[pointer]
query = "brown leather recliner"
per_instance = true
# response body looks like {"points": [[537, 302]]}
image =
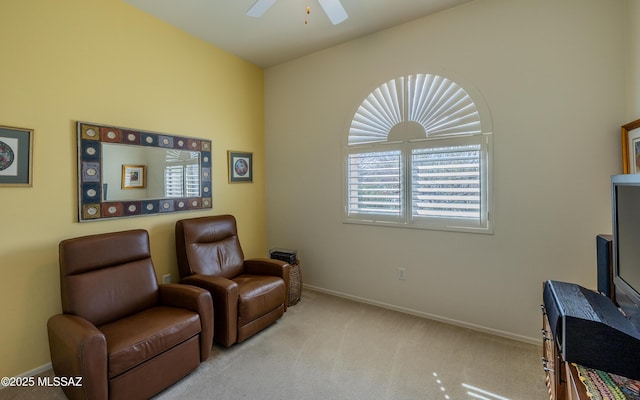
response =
{"points": [[125, 335], [248, 295]]}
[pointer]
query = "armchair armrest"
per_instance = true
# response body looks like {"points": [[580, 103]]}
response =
{"points": [[78, 348], [269, 266], [197, 300], [224, 293], [184, 296]]}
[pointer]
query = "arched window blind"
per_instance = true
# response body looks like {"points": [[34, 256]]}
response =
{"points": [[439, 105]]}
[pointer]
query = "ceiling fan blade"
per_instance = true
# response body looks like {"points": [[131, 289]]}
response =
{"points": [[260, 7], [334, 10]]}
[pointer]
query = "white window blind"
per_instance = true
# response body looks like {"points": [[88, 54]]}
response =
{"points": [[192, 180], [374, 184], [182, 174], [173, 181], [446, 182], [417, 156], [438, 104]]}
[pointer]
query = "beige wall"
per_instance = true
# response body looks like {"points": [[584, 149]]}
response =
{"points": [[633, 59], [106, 62], [551, 73]]}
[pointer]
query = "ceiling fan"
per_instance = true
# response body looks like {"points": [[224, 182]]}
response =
{"points": [[333, 8]]}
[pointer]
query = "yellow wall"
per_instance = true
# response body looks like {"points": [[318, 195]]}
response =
{"points": [[106, 62]]}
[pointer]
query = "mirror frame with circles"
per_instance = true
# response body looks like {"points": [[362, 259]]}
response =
{"points": [[93, 203]]}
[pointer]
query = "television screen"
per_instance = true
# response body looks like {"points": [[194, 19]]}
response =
{"points": [[626, 239]]}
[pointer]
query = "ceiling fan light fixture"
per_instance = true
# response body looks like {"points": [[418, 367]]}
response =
{"points": [[333, 8]]}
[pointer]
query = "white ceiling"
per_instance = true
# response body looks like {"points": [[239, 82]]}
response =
{"points": [[280, 34]]}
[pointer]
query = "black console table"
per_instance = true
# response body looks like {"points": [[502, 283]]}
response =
{"points": [[584, 327]]}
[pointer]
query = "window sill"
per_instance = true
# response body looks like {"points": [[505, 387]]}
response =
{"points": [[446, 228]]}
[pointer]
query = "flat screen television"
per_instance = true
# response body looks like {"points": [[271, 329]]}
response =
{"points": [[625, 193]]}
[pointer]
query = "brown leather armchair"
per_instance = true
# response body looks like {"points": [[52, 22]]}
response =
{"points": [[125, 335], [248, 295]]}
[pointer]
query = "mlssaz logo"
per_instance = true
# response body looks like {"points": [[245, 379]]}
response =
{"points": [[60, 381]]}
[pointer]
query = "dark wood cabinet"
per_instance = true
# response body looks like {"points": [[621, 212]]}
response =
{"points": [[561, 377], [554, 368]]}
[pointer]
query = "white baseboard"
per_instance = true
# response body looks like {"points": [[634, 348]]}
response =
{"points": [[38, 370], [33, 372], [416, 313]]}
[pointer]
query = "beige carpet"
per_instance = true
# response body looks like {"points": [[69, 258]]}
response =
{"points": [[328, 348]]}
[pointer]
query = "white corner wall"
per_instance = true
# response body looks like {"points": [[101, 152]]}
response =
{"points": [[552, 74]]}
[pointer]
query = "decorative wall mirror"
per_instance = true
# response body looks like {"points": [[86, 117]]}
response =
{"points": [[126, 172]]}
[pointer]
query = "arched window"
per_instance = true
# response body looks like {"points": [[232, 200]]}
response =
{"points": [[417, 155]]}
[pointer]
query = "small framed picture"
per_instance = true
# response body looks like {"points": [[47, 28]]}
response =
{"points": [[631, 147], [240, 166], [134, 176], [16, 153]]}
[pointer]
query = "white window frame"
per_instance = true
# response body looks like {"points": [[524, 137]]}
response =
{"points": [[482, 223], [353, 209], [405, 218]]}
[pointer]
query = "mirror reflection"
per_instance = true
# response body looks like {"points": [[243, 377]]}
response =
{"points": [[124, 172], [167, 173]]}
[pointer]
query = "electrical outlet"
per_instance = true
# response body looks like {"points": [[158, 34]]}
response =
{"points": [[402, 273], [166, 278]]}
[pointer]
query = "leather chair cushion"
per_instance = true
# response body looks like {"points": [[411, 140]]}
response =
{"points": [[107, 294], [258, 295], [209, 246], [142, 336], [223, 258]]}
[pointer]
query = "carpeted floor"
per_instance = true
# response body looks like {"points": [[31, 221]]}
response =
{"points": [[329, 348]]}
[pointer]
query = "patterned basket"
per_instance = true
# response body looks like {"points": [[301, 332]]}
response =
{"points": [[295, 283]]}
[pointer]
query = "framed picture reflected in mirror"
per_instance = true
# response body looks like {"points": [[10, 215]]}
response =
{"points": [[134, 177]]}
